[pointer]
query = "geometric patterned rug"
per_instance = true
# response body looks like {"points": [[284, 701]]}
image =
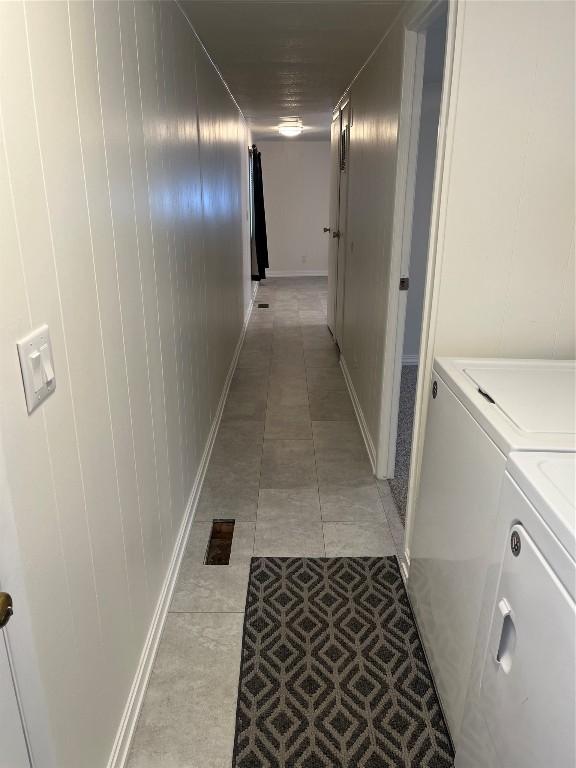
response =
{"points": [[333, 674]]}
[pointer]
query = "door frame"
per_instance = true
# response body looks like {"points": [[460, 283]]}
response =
{"points": [[18, 637], [333, 217], [345, 110], [409, 122]]}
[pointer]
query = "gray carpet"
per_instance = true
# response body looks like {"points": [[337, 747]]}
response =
{"points": [[399, 483], [333, 674]]}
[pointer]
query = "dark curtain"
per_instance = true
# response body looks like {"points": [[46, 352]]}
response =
{"points": [[259, 240]]}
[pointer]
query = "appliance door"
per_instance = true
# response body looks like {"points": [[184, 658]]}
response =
{"points": [[528, 687], [451, 542]]}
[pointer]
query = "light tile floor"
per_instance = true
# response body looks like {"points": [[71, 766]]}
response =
{"points": [[290, 466]]}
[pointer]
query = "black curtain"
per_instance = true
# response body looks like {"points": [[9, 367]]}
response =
{"points": [[259, 240]]}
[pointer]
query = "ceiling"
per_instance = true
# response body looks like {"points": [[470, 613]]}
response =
{"points": [[289, 59]]}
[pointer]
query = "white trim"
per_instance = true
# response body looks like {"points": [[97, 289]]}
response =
{"points": [[407, 151], [448, 109], [410, 359], [296, 273], [404, 570], [359, 414], [412, 88], [413, 65], [129, 719]]}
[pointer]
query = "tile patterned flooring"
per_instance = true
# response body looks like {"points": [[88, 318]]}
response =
{"points": [[290, 466]]}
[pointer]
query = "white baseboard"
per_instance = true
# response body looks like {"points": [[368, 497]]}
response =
{"points": [[296, 273], [404, 570], [359, 415], [125, 732], [410, 359]]}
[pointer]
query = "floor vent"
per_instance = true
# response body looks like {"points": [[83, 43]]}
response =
{"points": [[220, 542], [263, 306]]}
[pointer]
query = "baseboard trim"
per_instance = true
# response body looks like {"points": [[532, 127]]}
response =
{"points": [[129, 719], [410, 359], [406, 561], [359, 414], [296, 273], [404, 570]]}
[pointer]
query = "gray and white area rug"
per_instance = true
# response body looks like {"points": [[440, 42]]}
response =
{"points": [[333, 674]]}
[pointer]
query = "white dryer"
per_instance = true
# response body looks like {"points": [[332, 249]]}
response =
{"points": [[521, 706], [479, 411]]}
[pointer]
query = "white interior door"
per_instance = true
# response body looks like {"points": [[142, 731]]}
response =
{"points": [[13, 751], [339, 235], [333, 223]]}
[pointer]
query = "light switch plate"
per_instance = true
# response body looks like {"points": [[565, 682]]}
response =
{"points": [[37, 366]]}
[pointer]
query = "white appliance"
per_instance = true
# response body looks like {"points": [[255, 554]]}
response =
{"points": [[479, 411], [521, 706]]}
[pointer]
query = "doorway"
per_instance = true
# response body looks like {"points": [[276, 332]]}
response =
{"points": [[427, 46], [339, 150]]}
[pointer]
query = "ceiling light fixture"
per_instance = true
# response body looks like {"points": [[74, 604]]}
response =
{"points": [[290, 129]]}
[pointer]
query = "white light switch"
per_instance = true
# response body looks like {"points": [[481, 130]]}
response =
{"points": [[37, 366]]}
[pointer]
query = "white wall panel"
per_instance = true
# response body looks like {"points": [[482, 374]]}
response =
{"points": [[104, 271], [222, 198], [128, 263], [508, 274], [375, 99], [122, 175]]}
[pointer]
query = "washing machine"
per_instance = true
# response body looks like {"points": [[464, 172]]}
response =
{"points": [[480, 410], [521, 706]]}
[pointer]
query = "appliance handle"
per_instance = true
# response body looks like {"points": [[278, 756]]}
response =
{"points": [[503, 649]]}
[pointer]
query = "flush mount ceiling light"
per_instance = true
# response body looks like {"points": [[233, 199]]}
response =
{"points": [[290, 128]]}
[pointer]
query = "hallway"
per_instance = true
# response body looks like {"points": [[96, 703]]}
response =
{"points": [[290, 467], [159, 157]]}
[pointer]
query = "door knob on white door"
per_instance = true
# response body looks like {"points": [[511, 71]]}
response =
{"points": [[6, 609]]}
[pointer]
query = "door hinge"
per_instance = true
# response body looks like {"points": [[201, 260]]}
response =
{"points": [[404, 283]]}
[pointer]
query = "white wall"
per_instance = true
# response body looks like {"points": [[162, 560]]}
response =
{"points": [[508, 272], [375, 99], [296, 192], [122, 176]]}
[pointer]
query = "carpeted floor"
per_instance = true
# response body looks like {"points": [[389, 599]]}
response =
{"points": [[333, 674], [399, 483]]}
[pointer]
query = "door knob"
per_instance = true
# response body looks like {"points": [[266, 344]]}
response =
{"points": [[326, 229], [336, 234], [5, 608]]}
